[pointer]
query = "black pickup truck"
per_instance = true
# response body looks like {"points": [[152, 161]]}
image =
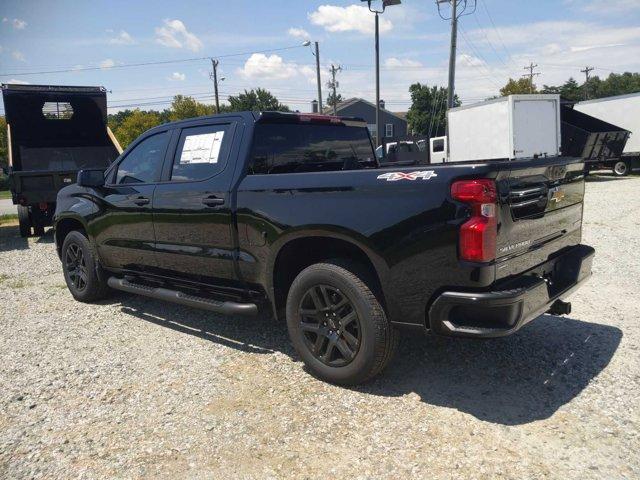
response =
{"points": [[291, 214]]}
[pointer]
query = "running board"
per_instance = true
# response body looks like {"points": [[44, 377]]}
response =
{"points": [[225, 308]]}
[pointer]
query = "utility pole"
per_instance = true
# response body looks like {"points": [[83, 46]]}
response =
{"points": [[318, 75], [531, 74], [214, 77], [333, 84], [458, 10], [587, 71]]}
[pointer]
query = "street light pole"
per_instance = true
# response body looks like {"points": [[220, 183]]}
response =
{"points": [[318, 78], [378, 134], [385, 4]]}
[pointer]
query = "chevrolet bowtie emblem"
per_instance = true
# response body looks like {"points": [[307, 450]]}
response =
{"points": [[556, 195]]}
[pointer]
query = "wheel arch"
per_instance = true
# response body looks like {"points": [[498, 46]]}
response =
{"points": [[67, 224], [296, 251]]}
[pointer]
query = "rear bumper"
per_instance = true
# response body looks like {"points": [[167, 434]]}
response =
{"points": [[513, 303]]}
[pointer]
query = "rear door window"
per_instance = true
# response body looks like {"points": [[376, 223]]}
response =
{"points": [[296, 148], [202, 153]]}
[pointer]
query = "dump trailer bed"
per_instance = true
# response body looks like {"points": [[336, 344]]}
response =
{"points": [[53, 132]]}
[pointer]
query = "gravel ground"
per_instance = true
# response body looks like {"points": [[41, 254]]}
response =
{"points": [[133, 388]]}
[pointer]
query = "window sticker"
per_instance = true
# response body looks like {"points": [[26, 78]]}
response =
{"points": [[204, 148]]}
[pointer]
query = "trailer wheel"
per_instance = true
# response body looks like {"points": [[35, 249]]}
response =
{"points": [[24, 220], [621, 168]]}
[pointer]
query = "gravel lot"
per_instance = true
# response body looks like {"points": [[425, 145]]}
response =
{"points": [[133, 388]]}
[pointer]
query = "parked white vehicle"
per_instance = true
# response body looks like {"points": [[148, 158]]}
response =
{"points": [[509, 128]]}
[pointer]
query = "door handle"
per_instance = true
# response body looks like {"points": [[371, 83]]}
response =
{"points": [[141, 201], [212, 201]]}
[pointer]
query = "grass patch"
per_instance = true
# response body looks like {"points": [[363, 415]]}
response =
{"points": [[13, 282], [4, 194], [8, 218]]}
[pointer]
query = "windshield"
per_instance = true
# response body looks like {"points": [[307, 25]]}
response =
{"points": [[293, 148]]}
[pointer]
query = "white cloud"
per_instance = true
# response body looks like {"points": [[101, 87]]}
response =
{"points": [[300, 33], [177, 77], [469, 60], [18, 56], [260, 66], [353, 18], [15, 81], [394, 62], [174, 34], [18, 24], [108, 63], [122, 38]]}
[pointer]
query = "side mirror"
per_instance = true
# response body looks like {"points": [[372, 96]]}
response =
{"points": [[90, 178]]}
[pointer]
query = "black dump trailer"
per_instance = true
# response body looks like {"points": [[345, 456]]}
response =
{"points": [[52, 133], [599, 143]]}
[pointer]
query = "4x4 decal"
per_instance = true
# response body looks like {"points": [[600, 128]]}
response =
{"points": [[397, 176]]}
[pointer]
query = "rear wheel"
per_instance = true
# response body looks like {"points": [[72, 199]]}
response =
{"points": [[337, 325], [621, 168], [80, 267], [24, 221]]}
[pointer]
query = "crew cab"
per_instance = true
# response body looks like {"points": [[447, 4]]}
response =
{"points": [[291, 214]]}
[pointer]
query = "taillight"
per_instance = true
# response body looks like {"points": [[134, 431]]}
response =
{"points": [[478, 234]]}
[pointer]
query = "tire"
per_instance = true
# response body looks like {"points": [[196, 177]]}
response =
{"points": [[24, 221], [621, 168], [81, 267], [328, 306]]}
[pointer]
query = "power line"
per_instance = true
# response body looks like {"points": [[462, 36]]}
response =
{"points": [[484, 5], [145, 64]]}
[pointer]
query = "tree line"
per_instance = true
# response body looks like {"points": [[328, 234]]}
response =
{"points": [[427, 114]]}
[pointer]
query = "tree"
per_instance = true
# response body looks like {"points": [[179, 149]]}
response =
{"points": [[570, 90], [334, 100], [136, 123], [428, 112], [258, 100], [186, 107], [518, 87]]}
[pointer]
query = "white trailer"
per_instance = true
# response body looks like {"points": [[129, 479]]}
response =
{"points": [[623, 111], [509, 128]]}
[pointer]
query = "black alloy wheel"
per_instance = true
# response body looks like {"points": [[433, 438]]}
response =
{"points": [[330, 325], [76, 266]]}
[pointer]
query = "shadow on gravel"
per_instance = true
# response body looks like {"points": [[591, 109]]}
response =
{"points": [[510, 381], [10, 238], [599, 177], [253, 335]]}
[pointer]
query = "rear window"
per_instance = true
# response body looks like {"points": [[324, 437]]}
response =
{"points": [[296, 148]]}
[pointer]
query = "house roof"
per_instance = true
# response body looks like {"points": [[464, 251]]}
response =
{"points": [[350, 101]]}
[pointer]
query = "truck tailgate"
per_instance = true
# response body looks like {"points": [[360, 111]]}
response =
{"points": [[540, 207]]}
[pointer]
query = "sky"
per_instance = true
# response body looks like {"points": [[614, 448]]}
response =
{"points": [[259, 44]]}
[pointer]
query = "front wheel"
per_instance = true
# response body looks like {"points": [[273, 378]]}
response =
{"points": [[337, 325], [621, 168], [80, 267]]}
